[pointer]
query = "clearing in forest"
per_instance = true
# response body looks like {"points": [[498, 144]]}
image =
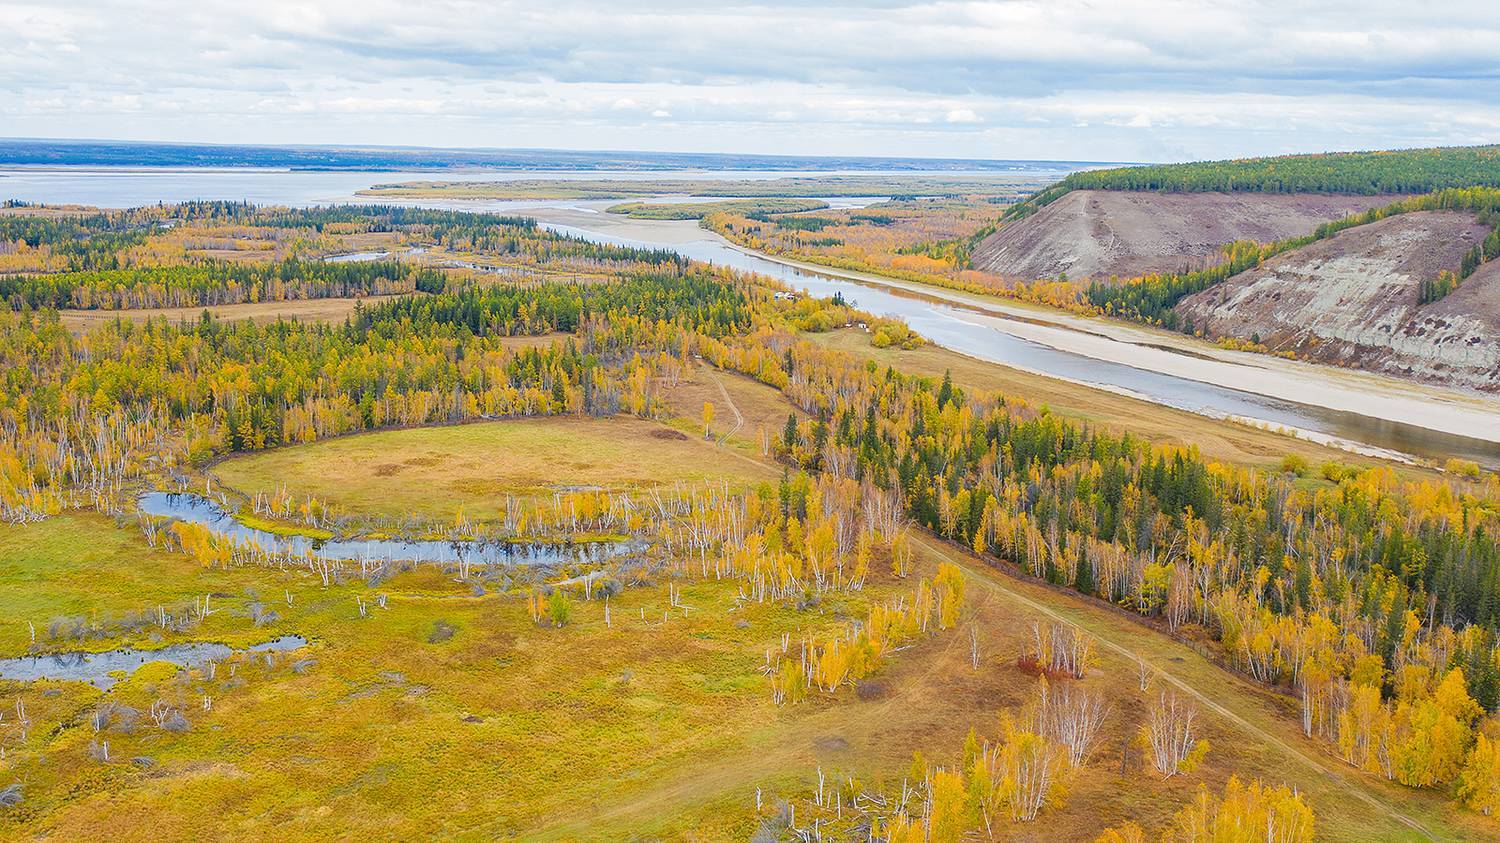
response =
{"points": [[435, 471]]}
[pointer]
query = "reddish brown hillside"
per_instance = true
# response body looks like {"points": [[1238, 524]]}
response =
{"points": [[1103, 233], [1353, 300]]}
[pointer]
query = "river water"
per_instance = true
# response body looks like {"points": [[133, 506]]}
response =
{"points": [[977, 334], [969, 330]]}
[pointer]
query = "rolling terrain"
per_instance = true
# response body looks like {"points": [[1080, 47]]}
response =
{"points": [[1354, 300], [1117, 233]]}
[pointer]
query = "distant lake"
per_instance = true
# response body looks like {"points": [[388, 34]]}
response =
{"points": [[125, 187]]}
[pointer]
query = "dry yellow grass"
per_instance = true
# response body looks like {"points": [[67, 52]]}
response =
{"points": [[651, 727], [306, 310], [434, 471]]}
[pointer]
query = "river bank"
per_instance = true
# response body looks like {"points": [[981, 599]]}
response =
{"points": [[1358, 411]]}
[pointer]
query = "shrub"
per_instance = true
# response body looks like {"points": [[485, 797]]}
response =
{"points": [[558, 608], [1336, 472], [1467, 469], [1294, 464]]}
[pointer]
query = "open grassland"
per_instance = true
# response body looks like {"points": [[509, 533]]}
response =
{"points": [[435, 472]]}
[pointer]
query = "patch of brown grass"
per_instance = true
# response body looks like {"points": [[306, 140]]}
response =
{"points": [[305, 310], [436, 470]]}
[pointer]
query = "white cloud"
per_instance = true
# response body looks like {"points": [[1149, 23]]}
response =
{"points": [[1129, 79]]}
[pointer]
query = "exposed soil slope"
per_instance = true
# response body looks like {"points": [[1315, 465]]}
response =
{"points": [[1353, 300], [1100, 233]]}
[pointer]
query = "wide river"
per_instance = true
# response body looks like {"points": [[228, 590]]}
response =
{"points": [[1374, 415]]}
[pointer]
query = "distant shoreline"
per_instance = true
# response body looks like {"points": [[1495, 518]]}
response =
{"points": [[35, 152]]}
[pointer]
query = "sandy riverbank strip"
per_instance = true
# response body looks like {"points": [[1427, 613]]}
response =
{"points": [[1376, 396]]}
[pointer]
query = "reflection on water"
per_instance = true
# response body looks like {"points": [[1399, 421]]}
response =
{"points": [[95, 668], [199, 510], [356, 257]]}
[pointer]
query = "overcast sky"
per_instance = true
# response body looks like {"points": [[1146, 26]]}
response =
{"points": [[1106, 80]]}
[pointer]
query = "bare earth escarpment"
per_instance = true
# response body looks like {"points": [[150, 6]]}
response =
{"points": [[1353, 300], [1104, 233]]}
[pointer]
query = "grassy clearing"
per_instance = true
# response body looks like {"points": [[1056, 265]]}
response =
{"points": [[305, 310], [80, 565], [761, 407], [434, 471]]}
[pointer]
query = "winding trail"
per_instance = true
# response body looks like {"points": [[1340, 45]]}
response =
{"points": [[1352, 787], [739, 418]]}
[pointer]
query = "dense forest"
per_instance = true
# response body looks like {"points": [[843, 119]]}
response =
{"points": [[1393, 172], [243, 386], [215, 283]]}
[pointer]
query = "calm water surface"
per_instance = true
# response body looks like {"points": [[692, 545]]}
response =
{"points": [[95, 668], [197, 509]]}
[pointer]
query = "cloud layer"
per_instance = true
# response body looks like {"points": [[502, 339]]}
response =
{"points": [[1103, 80]]}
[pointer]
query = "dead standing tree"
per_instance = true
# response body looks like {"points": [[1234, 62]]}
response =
{"points": [[1168, 736], [1072, 717]]}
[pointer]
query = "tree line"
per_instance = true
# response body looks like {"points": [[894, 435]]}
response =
{"points": [[1368, 173], [1151, 298], [106, 260]]}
